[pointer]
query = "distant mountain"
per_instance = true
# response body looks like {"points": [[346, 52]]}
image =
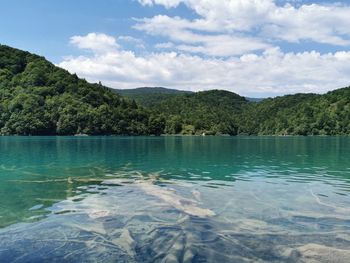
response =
{"points": [[224, 112], [145, 94], [149, 90], [148, 96], [38, 98], [210, 112], [254, 99]]}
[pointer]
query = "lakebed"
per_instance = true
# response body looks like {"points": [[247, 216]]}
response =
{"points": [[175, 199]]}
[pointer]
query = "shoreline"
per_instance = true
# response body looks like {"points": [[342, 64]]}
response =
{"points": [[175, 135]]}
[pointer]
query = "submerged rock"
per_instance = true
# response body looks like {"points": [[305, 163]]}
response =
{"points": [[170, 197], [167, 195], [143, 219], [315, 253]]}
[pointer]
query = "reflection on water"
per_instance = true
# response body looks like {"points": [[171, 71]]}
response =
{"points": [[175, 199]]}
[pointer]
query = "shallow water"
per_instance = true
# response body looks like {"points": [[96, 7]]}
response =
{"points": [[175, 199]]}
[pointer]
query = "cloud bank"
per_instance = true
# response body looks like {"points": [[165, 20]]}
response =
{"points": [[232, 44], [320, 23]]}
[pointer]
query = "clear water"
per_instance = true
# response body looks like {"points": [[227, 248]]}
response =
{"points": [[174, 199]]}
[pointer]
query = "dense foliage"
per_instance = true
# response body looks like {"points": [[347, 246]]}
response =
{"points": [[209, 112], [149, 96], [300, 114], [38, 98], [223, 112]]}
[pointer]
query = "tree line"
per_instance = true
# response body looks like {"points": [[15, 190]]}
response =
{"points": [[38, 98]]}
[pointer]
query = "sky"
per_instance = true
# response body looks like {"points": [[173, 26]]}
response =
{"points": [[256, 48]]}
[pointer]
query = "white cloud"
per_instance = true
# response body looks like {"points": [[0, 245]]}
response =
{"points": [[96, 42], [166, 3], [211, 45], [130, 39], [137, 42], [322, 23], [165, 45], [271, 73], [230, 45]]}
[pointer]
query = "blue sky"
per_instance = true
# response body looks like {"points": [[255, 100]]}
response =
{"points": [[252, 47], [45, 26]]}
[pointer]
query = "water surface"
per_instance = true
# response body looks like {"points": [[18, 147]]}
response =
{"points": [[175, 199]]}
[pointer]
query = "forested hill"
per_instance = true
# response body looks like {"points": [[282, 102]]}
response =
{"points": [[210, 112], [223, 112], [299, 114], [149, 96], [38, 98], [144, 91]]}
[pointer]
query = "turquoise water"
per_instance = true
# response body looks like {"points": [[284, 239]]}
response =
{"points": [[174, 199]]}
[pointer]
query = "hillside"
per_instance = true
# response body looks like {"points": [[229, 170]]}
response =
{"points": [[38, 98], [149, 96], [254, 99], [184, 112], [210, 112], [224, 112], [149, 90], [299, 114]]}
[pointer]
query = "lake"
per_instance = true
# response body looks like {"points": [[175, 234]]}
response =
{"points": [[175, 199]]}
